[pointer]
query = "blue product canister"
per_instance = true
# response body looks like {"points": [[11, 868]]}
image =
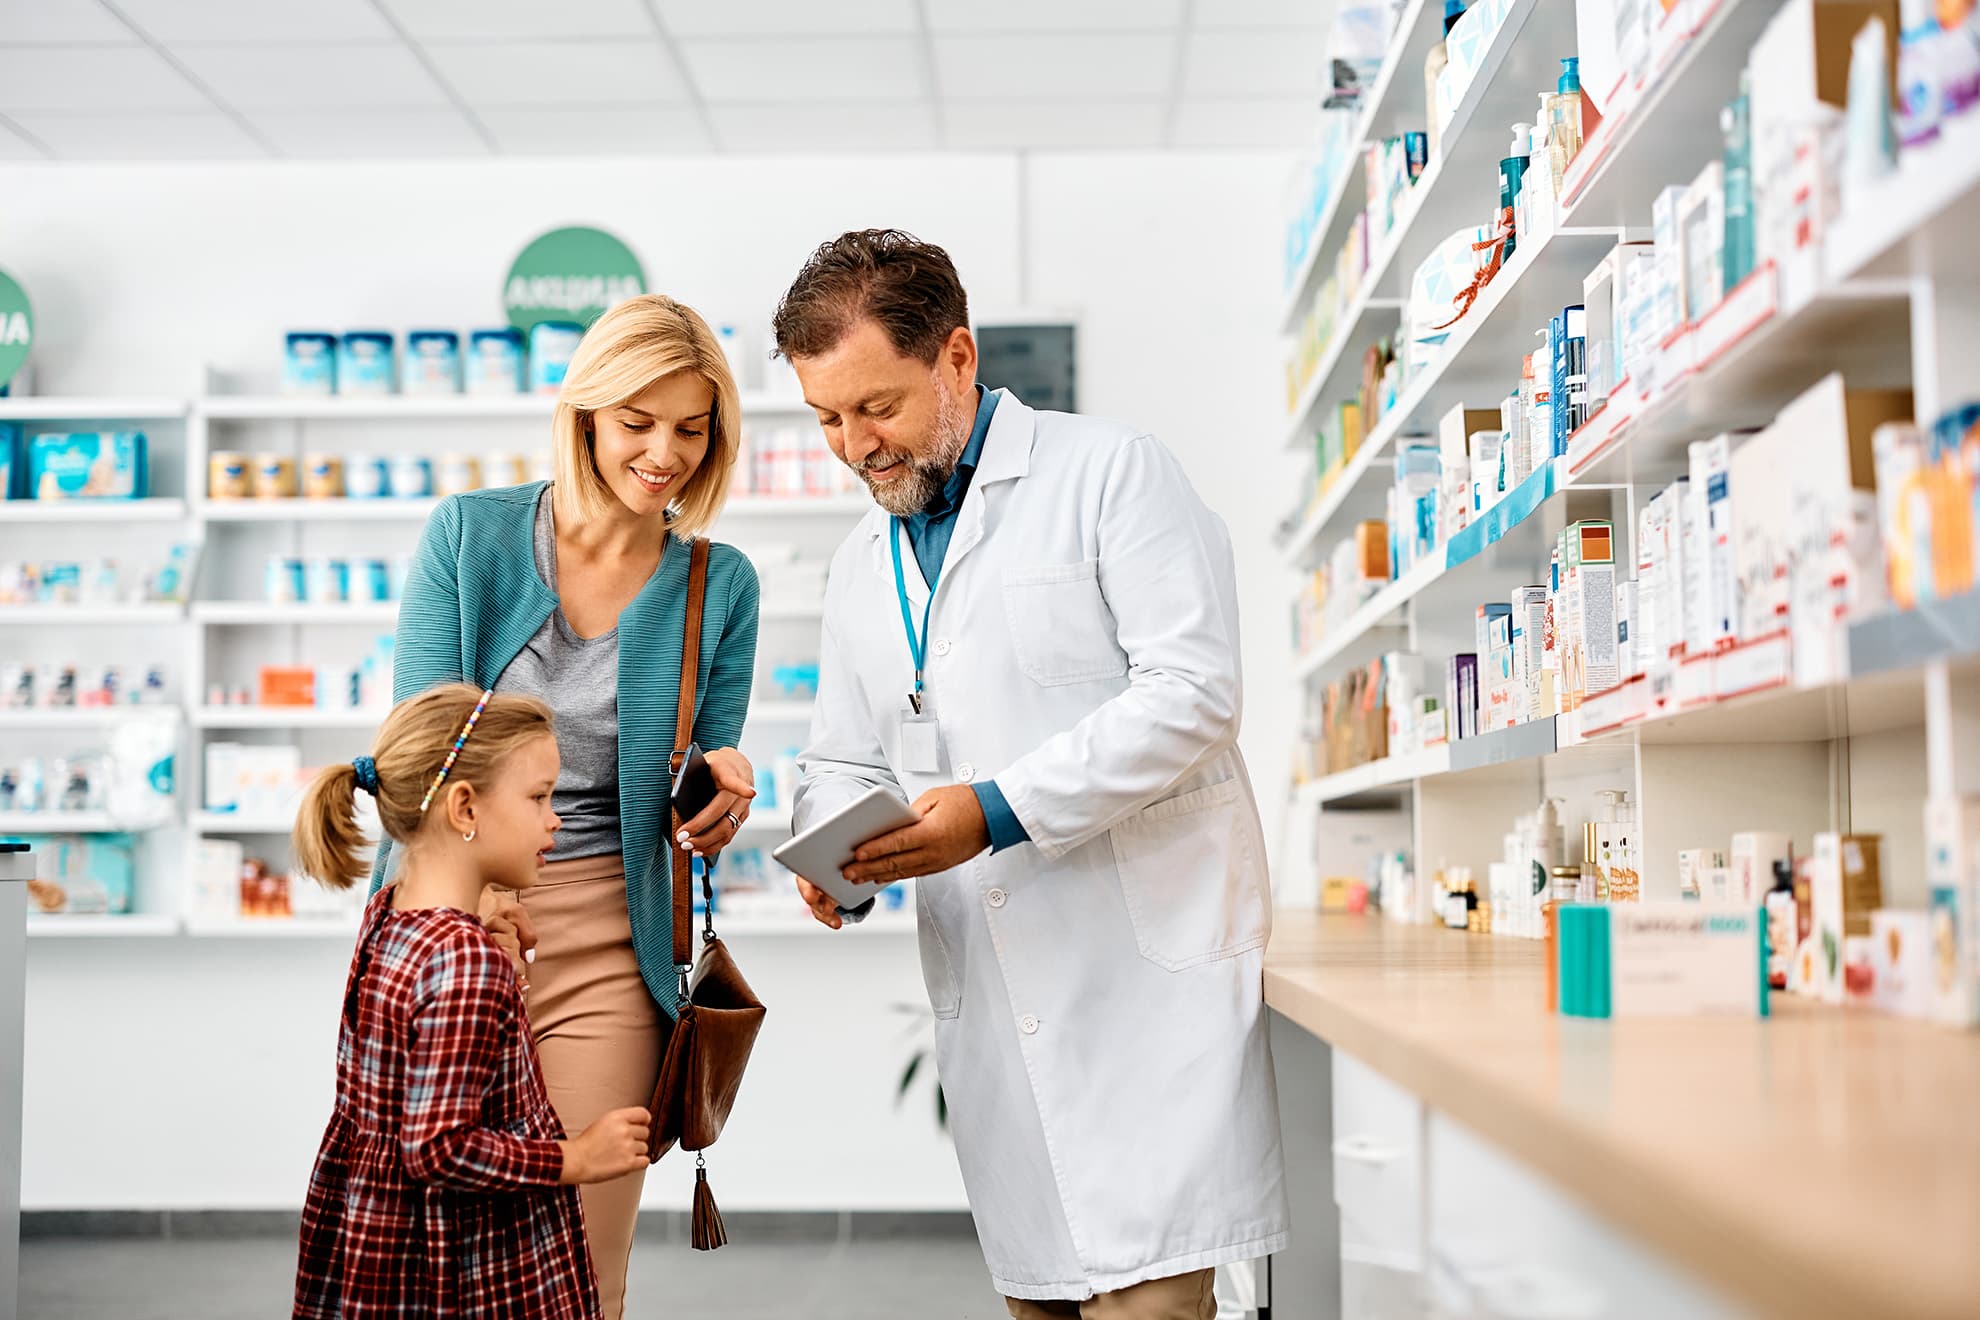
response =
{"points": [[433, 362], [495, 361], [371, 581], [1416, 154], [327, 580], [366, 477], [551, 344], [411, 477], [309, 363], [284, 583], [364, 363]]}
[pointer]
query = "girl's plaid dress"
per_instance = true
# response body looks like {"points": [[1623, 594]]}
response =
{"points": [[435, 1193]]}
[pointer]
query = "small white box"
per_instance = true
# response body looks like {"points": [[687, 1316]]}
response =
{"points": [[1754, 853]]}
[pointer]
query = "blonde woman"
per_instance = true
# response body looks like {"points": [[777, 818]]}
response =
{"points": [[575, 592]]}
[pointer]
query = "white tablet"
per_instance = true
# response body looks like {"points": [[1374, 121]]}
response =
{"points": [[823, 851]]}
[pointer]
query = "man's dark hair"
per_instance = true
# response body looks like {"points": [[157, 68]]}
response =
{"points": [[908, 286]]}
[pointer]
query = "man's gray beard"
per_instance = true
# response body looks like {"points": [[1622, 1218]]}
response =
{"points": [[925, 478]]}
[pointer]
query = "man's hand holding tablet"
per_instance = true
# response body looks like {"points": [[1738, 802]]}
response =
{"points": [[821, 855]]}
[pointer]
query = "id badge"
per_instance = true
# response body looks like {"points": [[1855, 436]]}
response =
{"points": [[921, 745]]}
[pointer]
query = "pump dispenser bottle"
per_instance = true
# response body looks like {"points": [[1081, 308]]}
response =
{"points": [[1511, 171]]}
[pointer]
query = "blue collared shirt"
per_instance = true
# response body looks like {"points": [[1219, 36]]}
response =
{"points": [[929, 532]]}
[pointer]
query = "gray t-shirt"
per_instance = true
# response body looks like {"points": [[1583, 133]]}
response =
{"points": [[578, 678]]}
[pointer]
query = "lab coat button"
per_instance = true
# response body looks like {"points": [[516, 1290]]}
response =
{"points": [[941, 646], [965, 773], [996, 898], [1028, 1024]]}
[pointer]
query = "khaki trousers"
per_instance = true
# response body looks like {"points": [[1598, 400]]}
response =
{"points": [[598, 1033], [1185, 1297]]}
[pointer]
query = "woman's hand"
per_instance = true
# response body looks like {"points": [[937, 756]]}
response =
{"points": [[715, 828]]}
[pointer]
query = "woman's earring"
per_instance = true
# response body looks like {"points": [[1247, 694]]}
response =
{"points": [[469, 836]]}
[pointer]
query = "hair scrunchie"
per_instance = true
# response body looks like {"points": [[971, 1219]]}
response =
{"points": [[367, 774]]}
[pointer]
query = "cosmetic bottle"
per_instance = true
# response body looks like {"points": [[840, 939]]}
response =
{"points": [[1512, 170], [1736, 124], [1433, 66]]}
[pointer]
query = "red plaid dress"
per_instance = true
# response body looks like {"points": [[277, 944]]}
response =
{"points": [[435, 1193]]}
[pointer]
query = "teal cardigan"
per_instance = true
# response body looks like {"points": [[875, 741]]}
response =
{"points": [[473, 599]]}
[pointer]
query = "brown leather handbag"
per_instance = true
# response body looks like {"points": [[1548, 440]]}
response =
{"points": [[718, 1014]]}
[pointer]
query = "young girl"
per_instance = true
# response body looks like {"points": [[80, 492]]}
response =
{"points": [[444, 1187]]}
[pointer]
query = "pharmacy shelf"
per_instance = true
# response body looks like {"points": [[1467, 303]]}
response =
{"points": [[1458, 187], [272, 928], [1934, 631], [1387, 781], [91, 615], [227, 824], [413, 407], [1392, 105], [279, 717], [130, 926], [14, 824], [781, 712], [315, 511], [252, 613], [1479, 365], [1667, 129], [1749, 357], [92, 511], [84, 717], [1920, 220], [1380, 611], [54, 408]]}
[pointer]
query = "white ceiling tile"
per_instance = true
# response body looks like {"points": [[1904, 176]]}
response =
{"points": [[786, 18], [560, 73], [202, 135], [1053, 15], [1253, 64], [1264, 13], [820, 69], [908, 125], [313, 77], [172, 21], [364, 134], [1281, 123], [15, 147], [518, 20], [78, 21], [1051, 125], [1083, 67], [597, 131], [92, 80]]}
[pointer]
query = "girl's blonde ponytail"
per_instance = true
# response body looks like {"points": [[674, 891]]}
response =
{"points": [[329, 845]]}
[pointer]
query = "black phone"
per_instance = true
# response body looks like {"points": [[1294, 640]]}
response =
{"points": [[694, 786]]}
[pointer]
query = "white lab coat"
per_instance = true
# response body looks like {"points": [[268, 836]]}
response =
{"points": [[1100, 1025]]}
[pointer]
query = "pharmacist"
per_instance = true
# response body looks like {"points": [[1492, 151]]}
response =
{"points": [[1063, 715]]}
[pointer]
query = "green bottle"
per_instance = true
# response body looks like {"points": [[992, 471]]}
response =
{"points": [[1736, 123]]}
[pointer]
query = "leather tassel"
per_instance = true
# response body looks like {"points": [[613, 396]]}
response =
{"points": [[705, 1229]]}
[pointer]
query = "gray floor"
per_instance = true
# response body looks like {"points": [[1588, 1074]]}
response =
{"points": [[250, 1279]]}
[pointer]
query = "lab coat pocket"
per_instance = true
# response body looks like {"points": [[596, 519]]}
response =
{"points": [[1190, 878], [1060, 624], [938, 972]]}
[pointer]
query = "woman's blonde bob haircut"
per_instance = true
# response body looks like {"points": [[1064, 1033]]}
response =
{"points": [[626, 351]]}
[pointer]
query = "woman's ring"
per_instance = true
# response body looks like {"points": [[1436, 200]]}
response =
{"points": [[733, 820]]}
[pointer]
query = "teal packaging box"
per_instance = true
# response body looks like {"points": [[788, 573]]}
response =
{"points": [[87, 465], [12, 474]]}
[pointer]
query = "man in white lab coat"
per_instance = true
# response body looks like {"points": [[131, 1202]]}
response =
{"points": [[1034, 640]]}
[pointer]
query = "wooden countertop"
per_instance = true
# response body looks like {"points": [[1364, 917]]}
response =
{"points": [[1825, 1162]]}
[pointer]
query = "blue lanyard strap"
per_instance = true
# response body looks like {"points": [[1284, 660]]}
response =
{"points": [[917, 642]]}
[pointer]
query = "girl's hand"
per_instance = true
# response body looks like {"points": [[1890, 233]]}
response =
{"points": [[509, 925], [713, 830], [610, 1148]]}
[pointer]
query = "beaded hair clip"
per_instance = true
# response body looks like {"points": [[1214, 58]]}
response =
{"points": [[454, 754]]}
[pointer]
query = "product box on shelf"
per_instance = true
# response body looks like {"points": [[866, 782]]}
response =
{"points": [[107, 465], [11, 466], [1717, 578], [1660, 959], [495, 361], [309, 363], [1902, 981], [1605, 293], [433, 362], [84, 875], [1461, 695], [1754, 853], [1847, 885], [1952, 880], [364, 363], [1702, 234], [1588, 626], [551, 344], [1529, 640]]}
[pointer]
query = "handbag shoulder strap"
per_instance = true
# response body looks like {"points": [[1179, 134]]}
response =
{"points": [[683, 868]]}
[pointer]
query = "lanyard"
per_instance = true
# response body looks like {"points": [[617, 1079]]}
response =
{"points": [[917, 642]]}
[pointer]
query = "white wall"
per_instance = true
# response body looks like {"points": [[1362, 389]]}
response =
{"points": [[183, 1073]]}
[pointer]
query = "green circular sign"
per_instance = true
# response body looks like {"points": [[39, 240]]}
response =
{"points": [[16, 327], [570, 274]]}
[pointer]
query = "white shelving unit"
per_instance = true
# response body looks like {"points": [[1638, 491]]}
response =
{"points": [[133, 926], [1891, 305], [14, 823], [256, 613], [59, 408], [76, 616], [84, 717], [430, 407], [278, 717], [164, 510]]}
